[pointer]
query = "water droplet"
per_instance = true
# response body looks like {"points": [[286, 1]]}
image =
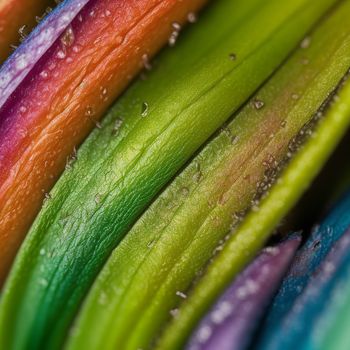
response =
{"points": [[44, 74], [71, 159], [217, 249], [150, 244], [173, 38], [146, 63], [176, 26], [21, 62], [283, 123], [204, 333], [316, 245], [192, 17], [89, 111], [48, 10], [67, 38], [117, 125], [61, 54], [305, 43], [234, 139], [42, 251], [272, 250], [258, 104], [198, 174], [295, 96], [23, 32], [181, 294], [223, 310], [144, 109], [38, 19], [175, 33], [233, 56], [104, 91], [174, 312], [185, 191]]}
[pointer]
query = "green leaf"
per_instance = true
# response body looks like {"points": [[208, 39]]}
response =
{"points": [[258, 225], [194, 88], [144, 280]]}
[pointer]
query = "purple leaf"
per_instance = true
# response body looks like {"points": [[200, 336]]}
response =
{"points": [[21, 62], [230, 324]]}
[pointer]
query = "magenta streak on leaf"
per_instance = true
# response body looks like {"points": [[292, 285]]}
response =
{"points": [[21, 62]]}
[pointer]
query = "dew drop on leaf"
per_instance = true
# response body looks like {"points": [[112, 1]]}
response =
{"points": [[144, 109], [22, 32], [185, 191], [176, 26], [258, 104], [146, 63], [61, 54], [117, 125], [181, 294], [174, 312], [89, 111], [175, 33], [192, 17], [233, 56], [67, 38], [305, 42]]}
